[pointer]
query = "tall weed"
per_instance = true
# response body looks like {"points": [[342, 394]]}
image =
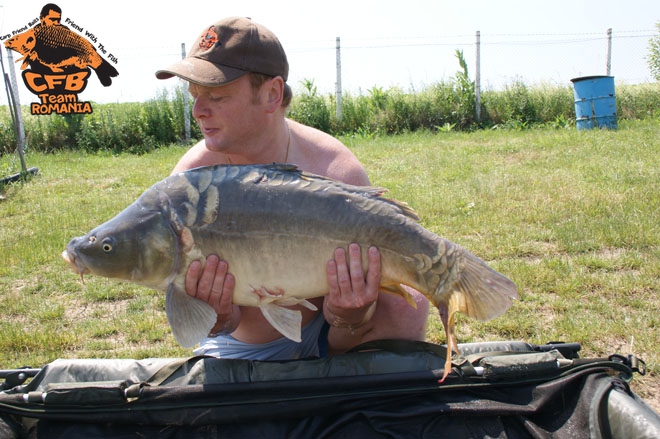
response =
{"points": [[311, 108]]}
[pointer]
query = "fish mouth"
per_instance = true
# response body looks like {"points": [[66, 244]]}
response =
{"points": [[73, 262]]}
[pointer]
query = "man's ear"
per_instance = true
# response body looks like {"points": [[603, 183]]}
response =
{"points": [[274, 91]]}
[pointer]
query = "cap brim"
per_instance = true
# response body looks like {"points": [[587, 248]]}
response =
{"points": [[202, 72]]}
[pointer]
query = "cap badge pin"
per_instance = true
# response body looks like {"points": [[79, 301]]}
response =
{"points": [[208, 39]]}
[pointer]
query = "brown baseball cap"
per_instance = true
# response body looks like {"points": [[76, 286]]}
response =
{"points": [[227, 50]]}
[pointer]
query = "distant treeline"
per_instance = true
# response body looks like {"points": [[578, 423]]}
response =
{"points": [[445, 106]]}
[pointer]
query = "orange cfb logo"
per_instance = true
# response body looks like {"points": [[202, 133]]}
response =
{"points": [[56, 62]]}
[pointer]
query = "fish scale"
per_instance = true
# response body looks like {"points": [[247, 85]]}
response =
{"points": [[276, 227]]}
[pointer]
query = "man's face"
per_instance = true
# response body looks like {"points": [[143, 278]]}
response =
{"points": [[52, 18], [227, 115]]}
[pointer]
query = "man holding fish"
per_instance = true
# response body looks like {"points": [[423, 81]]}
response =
{"points": [[237, 72]]}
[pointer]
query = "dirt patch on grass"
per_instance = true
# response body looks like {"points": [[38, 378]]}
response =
{"points": [[80, 310]]}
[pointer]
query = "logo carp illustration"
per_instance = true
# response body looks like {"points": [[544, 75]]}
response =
{"points": [[56, 63]]}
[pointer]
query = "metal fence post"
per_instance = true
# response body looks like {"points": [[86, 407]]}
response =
{"points": [[338, 84], [14, 101], [477, 80], [609, 52], [186, 103]]}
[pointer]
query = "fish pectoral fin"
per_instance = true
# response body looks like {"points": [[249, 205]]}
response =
{"points": [[292, 301], [190, 319], [287, 321], [307, 304], [280, 299]]}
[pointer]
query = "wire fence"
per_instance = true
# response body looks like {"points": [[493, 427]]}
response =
{"points": [[412, 63], [504, 59]]}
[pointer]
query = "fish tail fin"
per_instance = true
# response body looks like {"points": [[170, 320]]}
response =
{"points": [[287, 321], [190, 319], [105, 72]]}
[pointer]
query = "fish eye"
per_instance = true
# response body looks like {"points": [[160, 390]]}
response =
{"points": [[107, 245]]}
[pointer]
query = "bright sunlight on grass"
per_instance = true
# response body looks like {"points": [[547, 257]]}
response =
{"points": [[571, 217]]}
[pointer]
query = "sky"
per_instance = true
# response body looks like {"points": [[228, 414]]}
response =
{"points": [[384, 43]]}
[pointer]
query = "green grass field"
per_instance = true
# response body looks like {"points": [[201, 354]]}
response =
{"points": [[573, 218]]}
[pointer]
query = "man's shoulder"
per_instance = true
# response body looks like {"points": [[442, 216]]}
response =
{"points": [[316, 137], [328, 156], [198, 155], [349, 170]]}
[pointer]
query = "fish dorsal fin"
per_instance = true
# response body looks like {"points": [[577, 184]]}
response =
{"points": [[284, 167], [374, 192], [404, 208], [190, 319]]}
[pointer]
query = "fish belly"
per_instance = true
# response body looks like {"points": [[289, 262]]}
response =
{"points": [[272, 268], [282, 266]]}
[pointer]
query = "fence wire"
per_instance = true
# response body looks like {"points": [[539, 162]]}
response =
{"points": [[410, 63], [504, 58]]}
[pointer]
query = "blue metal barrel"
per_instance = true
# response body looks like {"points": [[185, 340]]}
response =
{"points": [[595, 102]]}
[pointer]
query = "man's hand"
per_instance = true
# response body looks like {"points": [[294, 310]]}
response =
{"points": [[215, 286], [351, 300]]}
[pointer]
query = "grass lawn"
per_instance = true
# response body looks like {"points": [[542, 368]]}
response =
{"points": [[573, 218]]}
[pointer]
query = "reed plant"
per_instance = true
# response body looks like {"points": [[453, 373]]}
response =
{"points": [[444, 106]]}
